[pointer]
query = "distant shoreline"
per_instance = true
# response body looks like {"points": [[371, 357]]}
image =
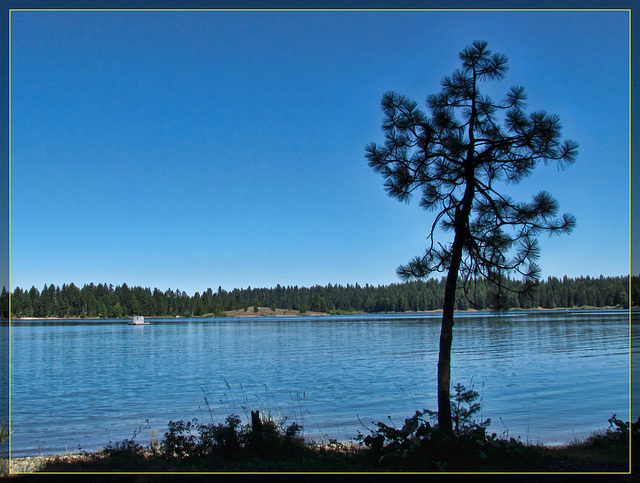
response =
{"points": [[268, 312]]}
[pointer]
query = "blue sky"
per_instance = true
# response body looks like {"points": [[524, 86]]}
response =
{"points": [[189, 150]]}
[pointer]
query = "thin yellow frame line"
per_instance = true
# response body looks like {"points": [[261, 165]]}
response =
{"points": [[318, 10], [9, 245], [630, 242]]}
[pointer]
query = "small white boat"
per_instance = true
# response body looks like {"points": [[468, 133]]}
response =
{"points": [[138, 320]]}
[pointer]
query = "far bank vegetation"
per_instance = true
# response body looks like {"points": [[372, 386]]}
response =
{"points": [[105, 300]]}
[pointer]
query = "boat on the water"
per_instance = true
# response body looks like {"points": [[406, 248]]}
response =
{"points": [[138, 320]]}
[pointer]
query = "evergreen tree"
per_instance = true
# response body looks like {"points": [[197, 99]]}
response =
{"points": [[101, 300], [318, 304], [455, 157]]}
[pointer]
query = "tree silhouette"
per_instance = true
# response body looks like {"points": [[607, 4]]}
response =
{"points": [[454, 158]]}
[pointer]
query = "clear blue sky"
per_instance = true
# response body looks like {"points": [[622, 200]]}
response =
{"points": [[189, 150]]}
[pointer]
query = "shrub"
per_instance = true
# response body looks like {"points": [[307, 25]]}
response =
{"points": [[463, 409], [225, 438], [179, 441], [126, 447], [272, 439], [620, 431], [419, 441], [264, 438]]}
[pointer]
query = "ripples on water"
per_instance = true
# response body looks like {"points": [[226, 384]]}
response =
{"points": [[545, 377]]}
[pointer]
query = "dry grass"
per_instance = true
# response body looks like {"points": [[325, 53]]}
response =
{"points": [[268, 312]]}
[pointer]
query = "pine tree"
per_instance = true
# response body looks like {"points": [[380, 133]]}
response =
{"points": [[454, 158]]}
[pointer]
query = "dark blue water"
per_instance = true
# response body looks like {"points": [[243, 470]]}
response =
{"points": [[544, 377]]}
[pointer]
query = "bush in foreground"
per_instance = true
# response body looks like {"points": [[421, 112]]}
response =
{"points": [[419, 446], [268, 445]]}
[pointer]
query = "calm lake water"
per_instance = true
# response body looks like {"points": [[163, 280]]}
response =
{"points": [[544, 376]]}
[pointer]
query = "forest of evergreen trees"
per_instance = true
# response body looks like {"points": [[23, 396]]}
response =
{"points": [[104, 300]]}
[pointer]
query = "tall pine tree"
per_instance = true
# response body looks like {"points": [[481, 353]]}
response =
{"points": [[454, 158]]}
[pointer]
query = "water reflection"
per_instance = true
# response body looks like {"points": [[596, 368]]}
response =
{"points": [[548, 376]]}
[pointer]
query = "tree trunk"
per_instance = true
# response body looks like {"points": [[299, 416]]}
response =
{"points": [[461, 227], [446, 338], [461, 224]]}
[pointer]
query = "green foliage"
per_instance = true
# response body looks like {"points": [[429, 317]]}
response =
{"points": [[125, 447], [318, 304], [107, 301], [223, 437], [420, 440], [454, 155], [417, 446], [4, 304], [618, 429], [179, 441], [463, 408], [228, 440]]}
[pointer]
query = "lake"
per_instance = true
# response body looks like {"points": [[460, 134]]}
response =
{"points": [[547, 377]]}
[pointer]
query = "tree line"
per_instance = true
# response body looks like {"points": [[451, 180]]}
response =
{"points": [[105, 300]]}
